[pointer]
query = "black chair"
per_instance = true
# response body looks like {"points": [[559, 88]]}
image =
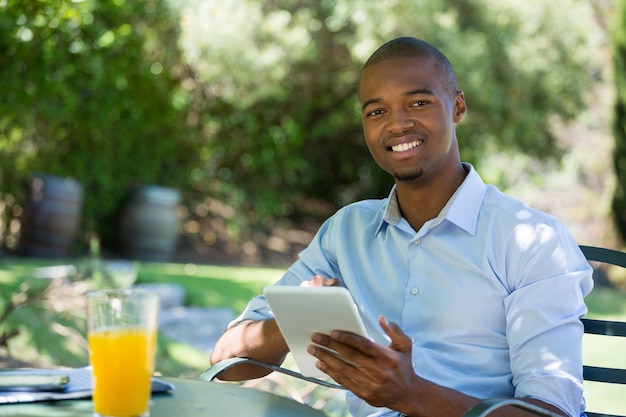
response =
{"points": [[604, 375]]}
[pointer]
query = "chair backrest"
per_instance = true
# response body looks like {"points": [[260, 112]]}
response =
{"points": [[602, 374]]}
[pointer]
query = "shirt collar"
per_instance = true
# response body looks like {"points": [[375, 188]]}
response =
{"points": [[462, 209], [466, 201]]}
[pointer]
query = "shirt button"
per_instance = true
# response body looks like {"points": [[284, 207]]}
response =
{"points": [[413, 364], [412, 341], [415, 291], [417, 241]]}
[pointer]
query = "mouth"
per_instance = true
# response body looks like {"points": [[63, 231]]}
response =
{"points": [[403, 147]]}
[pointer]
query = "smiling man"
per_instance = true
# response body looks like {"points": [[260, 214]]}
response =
{"points": [[480, 295]]}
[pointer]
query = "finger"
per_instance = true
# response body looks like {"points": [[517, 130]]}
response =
{"points": [[350, 348], [400, 341], [347, 338], [316, 281], [332, 282], [335, 365], [327, 355], [321, 281]]}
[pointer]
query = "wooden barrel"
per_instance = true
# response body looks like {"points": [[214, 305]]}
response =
{"points": [[51, 217], [149, 224]]}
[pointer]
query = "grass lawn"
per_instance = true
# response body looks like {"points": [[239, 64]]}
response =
{"points": [[212, 286], [53, 334]]}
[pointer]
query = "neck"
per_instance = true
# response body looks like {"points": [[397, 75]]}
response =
{"points": [[421, 201]]}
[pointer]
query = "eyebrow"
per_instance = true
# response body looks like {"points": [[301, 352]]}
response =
{"points": [[426, 91]]}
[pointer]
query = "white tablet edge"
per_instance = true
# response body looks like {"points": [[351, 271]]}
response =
{"points": [[301, 311]]}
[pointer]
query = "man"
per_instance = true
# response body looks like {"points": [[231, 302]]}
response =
{"points": [[479, 294]]}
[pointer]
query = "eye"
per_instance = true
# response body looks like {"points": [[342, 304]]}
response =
{"points": [[373, 113], [419, 103]]}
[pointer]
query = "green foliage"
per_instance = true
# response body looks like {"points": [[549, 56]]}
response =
{"points": [[283, 117], [619, 121], [89, 90], [265, 118]]}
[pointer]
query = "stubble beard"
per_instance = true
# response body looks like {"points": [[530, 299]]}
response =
{"points": [[409, 176]]}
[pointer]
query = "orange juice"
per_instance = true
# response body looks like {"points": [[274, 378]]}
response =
{"points": [[123, 361]]}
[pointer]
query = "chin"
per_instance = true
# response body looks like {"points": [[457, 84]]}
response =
{"points": [[408, 176]]}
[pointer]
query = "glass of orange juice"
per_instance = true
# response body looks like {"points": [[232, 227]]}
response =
{"points": [[122, 330]]}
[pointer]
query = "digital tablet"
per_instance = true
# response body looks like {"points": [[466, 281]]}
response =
{"points": [[302, 311]]}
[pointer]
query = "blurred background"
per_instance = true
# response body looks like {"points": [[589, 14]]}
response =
{"points": [[247, 111]]}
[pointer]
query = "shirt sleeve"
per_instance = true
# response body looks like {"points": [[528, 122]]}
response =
{"points": [[313, 260], [543, 314]]}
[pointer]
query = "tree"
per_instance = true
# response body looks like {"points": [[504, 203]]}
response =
{"points": [[259, 110], [282, 115], [619, 120], [92, 90]]}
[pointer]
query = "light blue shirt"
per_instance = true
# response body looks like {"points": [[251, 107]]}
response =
{"points": [[490, 291]]}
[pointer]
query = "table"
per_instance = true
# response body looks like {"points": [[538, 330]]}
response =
{"points": [[192, 398]]}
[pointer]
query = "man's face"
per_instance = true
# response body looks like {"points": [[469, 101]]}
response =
{"points": [[409, 117]]}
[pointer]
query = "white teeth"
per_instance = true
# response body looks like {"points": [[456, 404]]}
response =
{"points": [[403, 147]]}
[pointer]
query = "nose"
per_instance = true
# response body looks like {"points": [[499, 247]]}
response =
{"points": [[399, 122]]}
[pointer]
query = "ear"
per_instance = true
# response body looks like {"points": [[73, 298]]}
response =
{"points": [[460, 107]]}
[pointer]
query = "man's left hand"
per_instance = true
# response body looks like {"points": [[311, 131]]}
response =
{"points": [[383, 376]]}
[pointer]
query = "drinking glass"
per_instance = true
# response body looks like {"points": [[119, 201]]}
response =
{"points": [[122, 332]]}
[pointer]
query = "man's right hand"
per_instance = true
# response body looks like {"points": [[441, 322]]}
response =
{"points": [[321, 281]]}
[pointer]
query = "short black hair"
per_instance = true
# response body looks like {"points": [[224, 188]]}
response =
{"points": [[410, 47]]}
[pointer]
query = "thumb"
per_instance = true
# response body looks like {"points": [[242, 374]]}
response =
{"points": [[399, 340]]}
